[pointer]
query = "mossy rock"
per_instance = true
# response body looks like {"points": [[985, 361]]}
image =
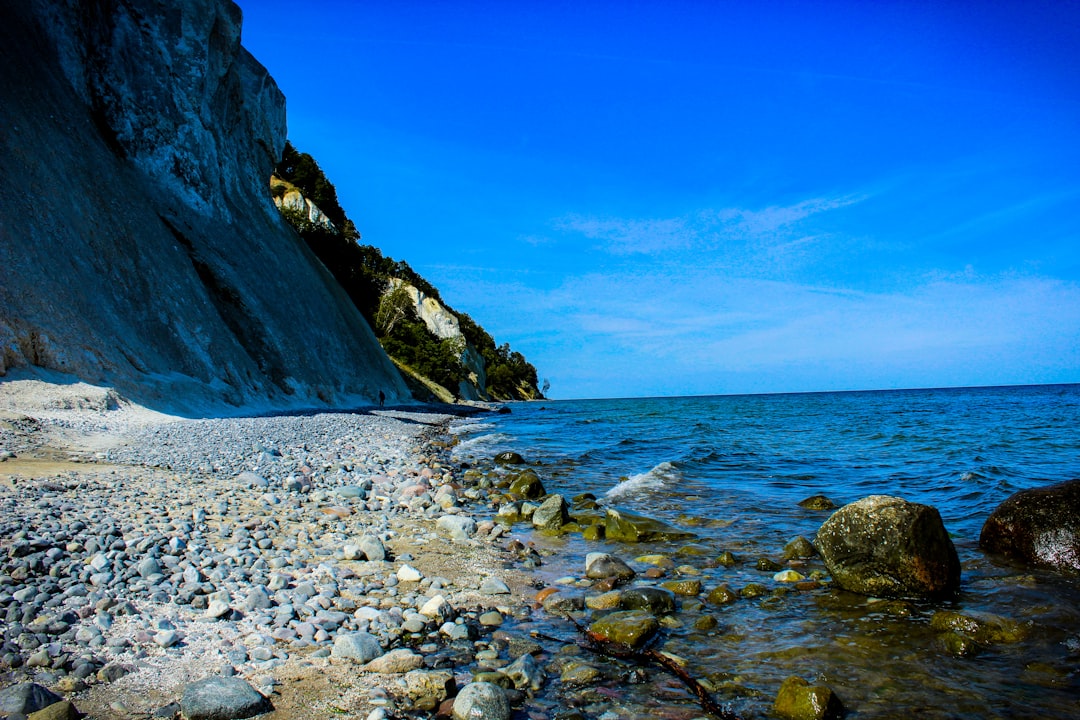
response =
{"points": [[662, 561], [705, 623], [527, 484], [983, 628], [817, 502], [580, 674], [799, 700], [798, 548], [593, 532], [768, 565], [727, 559], [753, 590], [693, 550], [689, 587], [509, 458], [722, 595], [628, 627], [622, 526], [584, 501], [495, 678], [658, 601]]}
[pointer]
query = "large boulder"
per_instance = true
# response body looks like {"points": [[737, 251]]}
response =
{"points": [[481, 701], [552, 514], [1038, 527], [26, 698], [886, 546]]}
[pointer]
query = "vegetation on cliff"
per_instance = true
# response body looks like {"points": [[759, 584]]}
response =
{"points": [[366, 275]]}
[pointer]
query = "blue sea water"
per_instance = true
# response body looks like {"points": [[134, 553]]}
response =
{"points": [[733, 468]]}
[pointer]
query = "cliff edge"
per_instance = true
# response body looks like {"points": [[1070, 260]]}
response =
{"points": [[139, 244]]}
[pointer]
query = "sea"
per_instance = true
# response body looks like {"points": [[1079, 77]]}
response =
{"points": [[733, 469]]}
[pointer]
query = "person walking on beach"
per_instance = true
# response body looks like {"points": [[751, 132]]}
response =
{"points": [[382, 398]]}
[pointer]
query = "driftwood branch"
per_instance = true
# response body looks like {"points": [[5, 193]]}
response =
{"points": [[646, 656]]}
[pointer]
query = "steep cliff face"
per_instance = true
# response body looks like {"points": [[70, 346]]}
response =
{"points": [[139, 245]]}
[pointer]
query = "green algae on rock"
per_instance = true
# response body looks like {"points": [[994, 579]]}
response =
{"points": [[799, 700], [622, 526], [633, 628]]}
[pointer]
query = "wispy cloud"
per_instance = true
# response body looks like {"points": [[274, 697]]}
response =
{"points": [[783, 229]]}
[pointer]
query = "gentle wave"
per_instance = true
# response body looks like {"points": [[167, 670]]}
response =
{"points": [[480, 445], [466, 427], [663, 475]]}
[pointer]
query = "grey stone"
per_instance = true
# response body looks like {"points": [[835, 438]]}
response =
{"points": [[494, 586], [457, 527], [360, 646], [481, 701], [26, 698], [222, 698], [552, 514], [604, 565]]}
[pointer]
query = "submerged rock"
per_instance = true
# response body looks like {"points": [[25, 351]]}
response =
{"points": [[888, 547], [1039, 527], [658, 601], [623, 526], [963, 634], [509, 458], [817, 502], [627, 627], [799, 700]]}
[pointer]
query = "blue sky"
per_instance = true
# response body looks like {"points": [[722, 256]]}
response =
{"points": [[675, 198]]}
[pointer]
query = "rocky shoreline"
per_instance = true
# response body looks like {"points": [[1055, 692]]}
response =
{"points": [[352, 565], [328, 560]]}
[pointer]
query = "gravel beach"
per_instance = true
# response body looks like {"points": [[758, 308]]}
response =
{"points": [[334, 562]]}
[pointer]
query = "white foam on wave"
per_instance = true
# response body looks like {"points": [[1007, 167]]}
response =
{"points": [[660, 476], [480, 444], [467, 427]]}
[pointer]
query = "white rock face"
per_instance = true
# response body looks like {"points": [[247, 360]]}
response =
{"points": [[139, 245], [445, 325], [294, 200]]}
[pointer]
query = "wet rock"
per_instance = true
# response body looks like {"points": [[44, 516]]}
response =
{"points": [[817, 502], [766, 565], [727, 559], [888, 547], [799, 700], [525, 673], [627, 627], [721, 595], [622, 526], [26, 698], [528, 485], [604, 565], [509, 458], [690, 587], [788, 576], [658, 601], [605, 601], [798, 548], [580, 674], [982, 629], [552, 514], [481, 701], [753, 590], [222, 698], [360, 646], [1039, 527]]}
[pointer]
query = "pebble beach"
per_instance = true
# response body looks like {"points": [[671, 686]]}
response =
{"points": [[333, 562]]}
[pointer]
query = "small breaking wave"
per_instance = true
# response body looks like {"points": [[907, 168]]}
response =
{"points": [[660, 476], [481, 444], [467, 427]]}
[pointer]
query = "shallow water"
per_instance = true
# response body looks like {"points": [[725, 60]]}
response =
{"points": [[733, 469]]}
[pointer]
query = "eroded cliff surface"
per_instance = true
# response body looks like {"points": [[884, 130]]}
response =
{"points": [[139, 246]]}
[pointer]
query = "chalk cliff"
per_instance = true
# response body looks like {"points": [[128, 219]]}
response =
{"points": [[139, 245], [445, 325]]}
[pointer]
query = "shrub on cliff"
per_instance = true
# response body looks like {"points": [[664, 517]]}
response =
{"points": [[365, 273]]}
